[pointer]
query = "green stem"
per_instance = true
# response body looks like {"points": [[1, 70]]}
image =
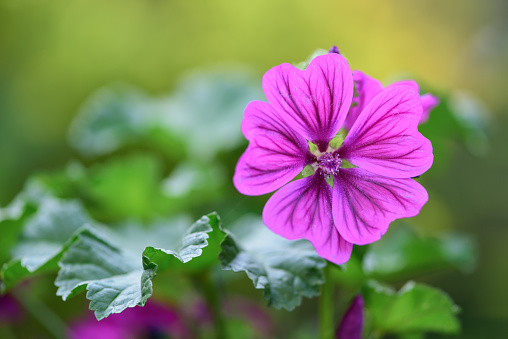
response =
{"points": [[213, 301], [43, 314], [326, 314]]}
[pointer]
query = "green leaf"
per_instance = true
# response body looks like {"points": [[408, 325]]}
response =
{"points": [[116, 269], [12, 218], [459, 117], [402, 253], [115, 266], [45, 236], [206, 109], [285, 270], [132, 186], [114, 280], [415, 308], [192, 184], [200, 118], [112, 117], [125, 187], [185, 244], [475, 120]]}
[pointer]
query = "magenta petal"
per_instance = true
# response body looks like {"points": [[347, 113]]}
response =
{"points": [[411, 83], [364, 204], [314, 101], [351, 325], [428, 103], [302, 209], [428, 100], [385, 138], [367, 88], [276, 154]]}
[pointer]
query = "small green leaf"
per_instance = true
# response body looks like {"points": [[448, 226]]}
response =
{"points": [[415, 308], [285, 270], [185, 244], [46, 235], [402, 252], [307, 171], [336, 141], [313, 147], [347, 164]]}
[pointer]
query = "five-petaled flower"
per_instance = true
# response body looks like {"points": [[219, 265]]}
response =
{"points": [[383, 144]]}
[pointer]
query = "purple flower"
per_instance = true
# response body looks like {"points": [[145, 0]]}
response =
{"points": [[10, 310], [383, 143], [351, 325], [367, 88]]}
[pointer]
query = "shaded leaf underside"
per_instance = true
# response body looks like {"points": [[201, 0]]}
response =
{"points": [[285, 270]]}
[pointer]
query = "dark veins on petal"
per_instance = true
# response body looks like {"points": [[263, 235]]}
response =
{"points": [[379, 137], [311, 122], [288, 146], [312, 200], [367, 194]]}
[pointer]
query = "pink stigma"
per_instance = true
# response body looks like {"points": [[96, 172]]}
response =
{"points": [[329, 163]]}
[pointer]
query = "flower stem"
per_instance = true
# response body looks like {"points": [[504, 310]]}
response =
{"points": [[326, 314], [213, 302], [43, 314]]}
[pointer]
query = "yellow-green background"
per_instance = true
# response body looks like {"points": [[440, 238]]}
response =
{"points": [[53, 54]]}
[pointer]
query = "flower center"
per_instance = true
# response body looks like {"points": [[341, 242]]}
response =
{"points": [[329, 163]]}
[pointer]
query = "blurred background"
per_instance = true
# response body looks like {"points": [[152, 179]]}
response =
{"points": [[55, 54]]}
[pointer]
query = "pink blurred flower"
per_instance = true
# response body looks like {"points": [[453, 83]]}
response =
{"points": [[384, 144], [367, 88], [154, 320]]}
